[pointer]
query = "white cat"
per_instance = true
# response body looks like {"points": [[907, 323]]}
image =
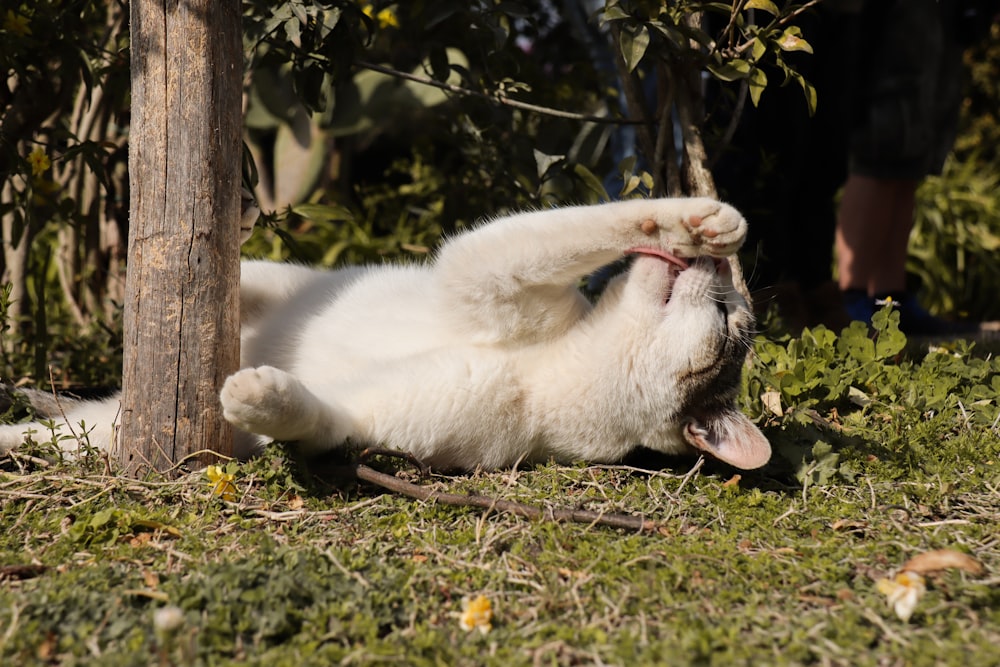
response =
{"points": [[490, 355]]}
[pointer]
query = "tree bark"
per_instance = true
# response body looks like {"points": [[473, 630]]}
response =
{"points": [[181, 320]]}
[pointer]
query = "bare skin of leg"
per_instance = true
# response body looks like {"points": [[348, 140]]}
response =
{"points": [[873, 231]]}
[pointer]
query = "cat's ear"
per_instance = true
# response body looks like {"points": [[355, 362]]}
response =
{"points": [[729, 436]]}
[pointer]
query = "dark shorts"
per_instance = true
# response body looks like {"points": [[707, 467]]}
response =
{"points": [[909, 91]]}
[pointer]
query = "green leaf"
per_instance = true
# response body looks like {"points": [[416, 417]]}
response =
{"points": [[439, 64], [614, 13], [630, 185], [544, 162], [757, 82], [323, 212], [791, 40], [674, 37], [810, 94], [889, 340], [734, 70], [821, 468], [293, 31], [763, 5], [592, 182], [855, 343], [634, 46], [327, 20]]}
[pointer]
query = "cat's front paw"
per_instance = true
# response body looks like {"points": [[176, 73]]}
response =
{"points": [[695, 226], [721, 232], [267, 401]]}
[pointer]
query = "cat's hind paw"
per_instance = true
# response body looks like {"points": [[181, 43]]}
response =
{"points": [[269, 402]]}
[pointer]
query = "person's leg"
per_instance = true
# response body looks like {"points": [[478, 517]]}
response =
{"points": [[873, 231], [865, 224], [888, 275]]}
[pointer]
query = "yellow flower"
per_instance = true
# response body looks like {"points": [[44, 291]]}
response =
{"points": [[478, 613], [387, 18], [39, 161], [222, 482], [16, 23], [903, 592]]}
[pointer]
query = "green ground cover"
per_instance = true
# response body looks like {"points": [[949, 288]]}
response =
{"points": [[883, 451]]}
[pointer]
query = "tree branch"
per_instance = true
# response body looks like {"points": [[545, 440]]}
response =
{"points": [[777, 23], [634, 98], [497, 98]]}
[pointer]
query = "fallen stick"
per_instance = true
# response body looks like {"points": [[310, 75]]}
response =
{"points": [[392, 483]]}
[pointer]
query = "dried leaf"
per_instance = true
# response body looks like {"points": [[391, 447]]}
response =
{"points": [[151, 579], [772, 401], [848, 524], [733, 481], [943, 559]]}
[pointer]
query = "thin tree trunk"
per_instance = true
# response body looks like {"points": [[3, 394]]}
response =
{"points": [[15, 259], [181, 321]]}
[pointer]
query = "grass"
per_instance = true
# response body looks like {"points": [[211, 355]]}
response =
{"points": [[771, 567]]}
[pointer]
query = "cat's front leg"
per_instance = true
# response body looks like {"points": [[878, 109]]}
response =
{"points": [[556, 247], [270, 402], [516, 277]]}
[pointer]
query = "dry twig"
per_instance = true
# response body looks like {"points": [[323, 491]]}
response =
{"points": [[392, 483]]}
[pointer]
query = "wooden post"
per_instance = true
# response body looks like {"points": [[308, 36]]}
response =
{"points": [[181, 321]]}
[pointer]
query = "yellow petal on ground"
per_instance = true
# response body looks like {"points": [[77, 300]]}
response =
{"points": [[903, 592], [478, 613], [223, 484]]}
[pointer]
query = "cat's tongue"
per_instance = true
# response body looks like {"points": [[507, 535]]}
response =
{"points": [[656, 252]]}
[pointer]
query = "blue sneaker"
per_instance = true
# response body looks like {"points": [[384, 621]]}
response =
{"points": [[914, 320], [859, 306]]}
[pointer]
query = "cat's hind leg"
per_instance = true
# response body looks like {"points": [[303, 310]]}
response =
{"points": [[272, 403], [71, 423]]}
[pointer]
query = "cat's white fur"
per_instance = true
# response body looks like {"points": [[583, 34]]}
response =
{"points": [[490, 354]]}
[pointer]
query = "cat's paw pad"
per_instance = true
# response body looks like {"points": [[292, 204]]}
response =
{"points": [[719, 227], [261, 400]]}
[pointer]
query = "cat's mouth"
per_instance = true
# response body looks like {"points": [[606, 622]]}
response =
{"points": [[677, 263]]}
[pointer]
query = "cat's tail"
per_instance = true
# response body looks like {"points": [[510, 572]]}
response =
{"points": [[70, 423]]}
